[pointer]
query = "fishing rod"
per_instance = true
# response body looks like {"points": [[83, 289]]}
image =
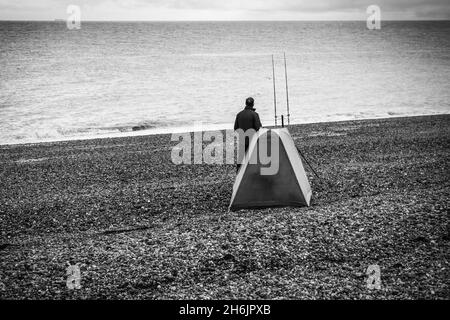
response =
{"points": [[274, 91], [287, 88], [288, 114]]}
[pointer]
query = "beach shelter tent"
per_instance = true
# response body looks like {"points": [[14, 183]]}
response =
{"points": [[288, 187]]}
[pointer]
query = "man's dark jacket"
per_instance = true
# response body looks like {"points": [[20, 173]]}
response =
{"points": [[247, 119]]}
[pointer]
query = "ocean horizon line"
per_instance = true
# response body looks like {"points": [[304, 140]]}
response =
{"points": [[228, 20]]}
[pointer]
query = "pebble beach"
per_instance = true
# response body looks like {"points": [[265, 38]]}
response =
{"points": [[141, 227]]}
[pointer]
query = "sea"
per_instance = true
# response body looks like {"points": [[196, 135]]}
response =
{"points": [[134, 78]]}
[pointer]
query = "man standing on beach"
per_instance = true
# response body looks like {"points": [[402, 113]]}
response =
{"points": [[245, 120]]}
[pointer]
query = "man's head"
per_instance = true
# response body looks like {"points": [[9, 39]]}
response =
{"points": [[250, 102]]}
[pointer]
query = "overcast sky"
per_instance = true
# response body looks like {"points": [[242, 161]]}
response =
{"points": [[224, 9]]}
